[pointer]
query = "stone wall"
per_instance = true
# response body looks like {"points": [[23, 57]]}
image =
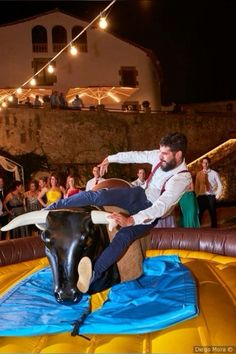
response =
{"points": [[74, 137]]}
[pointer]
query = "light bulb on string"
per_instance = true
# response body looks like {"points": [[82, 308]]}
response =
{"points": [[50, 69], [33, 82], [10, 98], [4, 105], [73, 50], [103, 22]]}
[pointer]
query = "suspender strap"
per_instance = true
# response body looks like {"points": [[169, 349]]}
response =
{"points": [[152, 173], [164, 185]]}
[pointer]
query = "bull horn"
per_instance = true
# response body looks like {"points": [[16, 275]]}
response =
{"points": [[102, 217], [37, 217]]}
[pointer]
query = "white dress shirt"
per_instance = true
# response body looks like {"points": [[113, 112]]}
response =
{"points": [[162, 204], [138, 183], [92, 182], [216, 187]]}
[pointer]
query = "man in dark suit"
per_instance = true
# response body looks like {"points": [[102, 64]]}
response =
{"points": [[3, 213]]}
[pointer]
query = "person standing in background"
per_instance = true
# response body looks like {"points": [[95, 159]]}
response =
{"points": [[3, 212], [189, 209], [31, 202], [95, 180], [208, 188], [141, 180], [71, 187], [53, 191], [14, 205]]}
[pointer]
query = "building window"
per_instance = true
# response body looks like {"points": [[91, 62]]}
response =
{"points": [[39, 39], [80, 42], [128, 76], [59, 38], [44, 78]]}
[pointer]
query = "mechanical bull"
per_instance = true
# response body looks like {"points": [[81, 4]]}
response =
{"points": [[69, 235]]}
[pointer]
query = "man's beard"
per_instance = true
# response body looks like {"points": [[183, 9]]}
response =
{"points": [[169, 165]]}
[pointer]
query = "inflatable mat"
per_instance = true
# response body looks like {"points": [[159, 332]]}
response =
{"points": [[163, 296]]}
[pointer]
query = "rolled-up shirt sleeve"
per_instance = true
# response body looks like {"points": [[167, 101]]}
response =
{"points": [[147, 156], [175, 187]]}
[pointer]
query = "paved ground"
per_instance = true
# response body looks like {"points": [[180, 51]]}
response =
{"points": [[226, 217]]}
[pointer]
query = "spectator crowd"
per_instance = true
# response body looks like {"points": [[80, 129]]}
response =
{"points": [[201, 197]]}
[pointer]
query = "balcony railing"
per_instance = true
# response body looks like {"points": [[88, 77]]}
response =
{"points": [[58, 46], [40, 47]]}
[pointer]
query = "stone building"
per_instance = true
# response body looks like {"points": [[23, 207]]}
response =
{"points": [[80, 140], [123, 74]]}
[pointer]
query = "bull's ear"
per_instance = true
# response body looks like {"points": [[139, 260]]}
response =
{"points": [[87, 225]]}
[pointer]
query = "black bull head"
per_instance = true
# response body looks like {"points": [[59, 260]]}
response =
{"points": [[69, 235]]}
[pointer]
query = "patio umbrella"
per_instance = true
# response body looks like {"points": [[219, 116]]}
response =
{"points": [[107, 95], [5, 94]]}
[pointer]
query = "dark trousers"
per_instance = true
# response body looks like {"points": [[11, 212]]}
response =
{"points": [[133, 200], [208, 202], [3, 222]]}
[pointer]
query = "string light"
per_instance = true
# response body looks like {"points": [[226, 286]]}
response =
{"points": [[32, 80], [19, 90], [103, 22], [73, 50], [50, 69], [10, 98]]}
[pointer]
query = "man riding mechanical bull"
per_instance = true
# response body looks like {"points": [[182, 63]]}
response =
{"points": [[166, 184], [80, 254]]}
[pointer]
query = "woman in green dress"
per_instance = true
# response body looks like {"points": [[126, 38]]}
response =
{"points": [[189, 209]]}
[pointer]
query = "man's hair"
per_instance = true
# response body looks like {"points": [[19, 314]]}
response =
{"points": [[206, 158], [175, 141], [141, 168]]}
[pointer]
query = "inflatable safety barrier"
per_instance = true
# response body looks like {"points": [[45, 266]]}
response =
{"points": [[209, 254]]}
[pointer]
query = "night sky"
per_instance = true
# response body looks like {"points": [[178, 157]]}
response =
{"points": [[194, 40]]}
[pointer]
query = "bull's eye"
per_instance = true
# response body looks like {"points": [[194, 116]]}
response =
{"points": [[45, 235], [82, 238]]}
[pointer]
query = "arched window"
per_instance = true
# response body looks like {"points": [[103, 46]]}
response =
{"points": [[59, 38], [39, 39], [81, 41]]}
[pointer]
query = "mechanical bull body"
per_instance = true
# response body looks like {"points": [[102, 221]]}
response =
{"points": [[69, 235]]}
